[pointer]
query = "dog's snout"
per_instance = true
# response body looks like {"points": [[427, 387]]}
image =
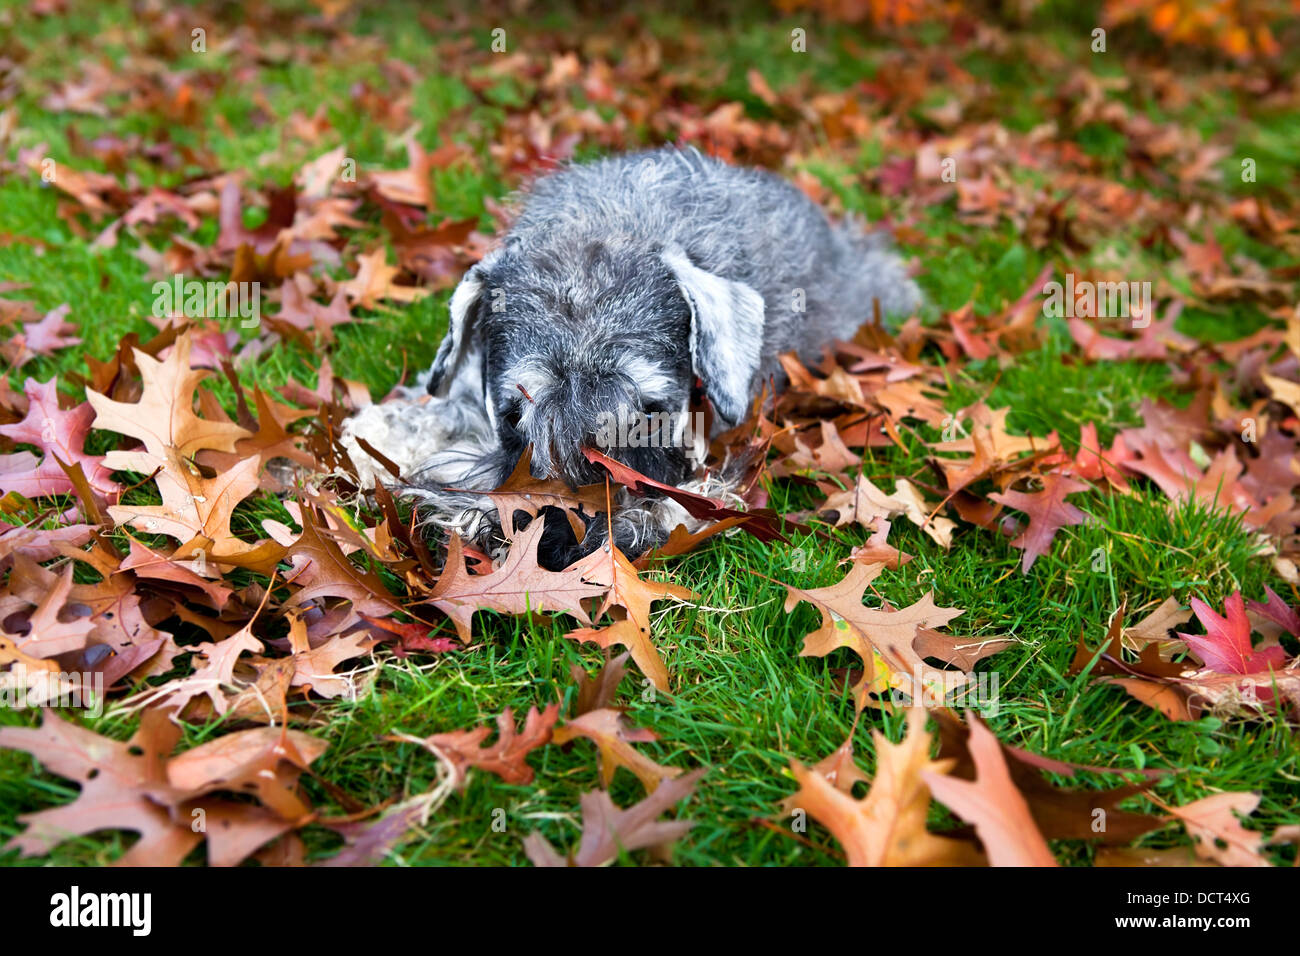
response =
{"points": [[561, 457]]}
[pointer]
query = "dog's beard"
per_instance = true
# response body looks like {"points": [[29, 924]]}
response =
{"points": [[640, 523], [449, 453], [669, 465]]}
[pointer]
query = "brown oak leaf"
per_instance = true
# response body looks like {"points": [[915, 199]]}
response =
{"points": [[887, 826], [609, 731], [993, 804], [1216, 831], [882, 637], [519, 586], [1048, 512], [114, 778], [60, 435], [607, 830], [505, 758], [630, 596]]}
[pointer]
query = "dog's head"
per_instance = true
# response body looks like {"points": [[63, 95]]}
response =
{"points": [[600, 347]]}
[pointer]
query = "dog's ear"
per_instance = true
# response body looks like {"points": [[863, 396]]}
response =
{"points": [[727, 319], [456, 343]]}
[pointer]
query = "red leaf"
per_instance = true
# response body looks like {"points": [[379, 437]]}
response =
{"points": [[1277, 611], [57, 433], [761, 524], [1225, 646], [1048, 513]]}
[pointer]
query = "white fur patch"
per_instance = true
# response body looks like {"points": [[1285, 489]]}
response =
{"points": [[535, 378], [651, 382], [428, 438], [727, 320]]}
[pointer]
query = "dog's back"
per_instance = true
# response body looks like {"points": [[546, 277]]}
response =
{"points": [[817, 278]]}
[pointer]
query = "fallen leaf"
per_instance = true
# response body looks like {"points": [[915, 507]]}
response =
{"points": [[633, 594], [505, 758], [518, 586], [993, 804], [1048, 512], [883, 638], [613, 737], [886, 827], [607, 830], [1213, 820]]}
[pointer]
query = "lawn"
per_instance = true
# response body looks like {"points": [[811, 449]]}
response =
{"points": [[1127, 163]]}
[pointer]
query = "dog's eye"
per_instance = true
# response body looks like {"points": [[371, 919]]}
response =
{"points": [[511, 416], [655, 417]]}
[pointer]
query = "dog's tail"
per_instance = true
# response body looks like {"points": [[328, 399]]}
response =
{"points": [[873, 270]]}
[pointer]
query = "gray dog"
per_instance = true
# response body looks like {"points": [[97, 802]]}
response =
{"points": [[621, 284]]}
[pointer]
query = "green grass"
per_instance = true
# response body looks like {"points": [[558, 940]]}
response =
{"points": [[744, 703]]}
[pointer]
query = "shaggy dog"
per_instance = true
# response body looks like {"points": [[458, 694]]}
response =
{"points": [[622, 284]]}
